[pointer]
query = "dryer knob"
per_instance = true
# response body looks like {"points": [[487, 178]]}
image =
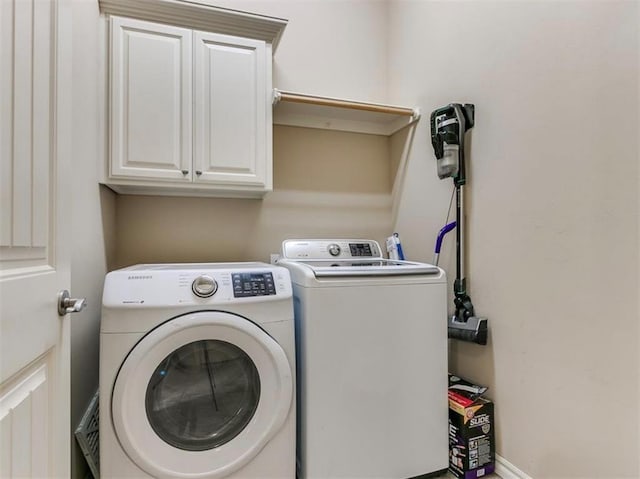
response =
{"points": [[334, 249], [204, 286]]}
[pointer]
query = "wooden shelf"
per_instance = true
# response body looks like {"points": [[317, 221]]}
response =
{"points": [[310, 111]]}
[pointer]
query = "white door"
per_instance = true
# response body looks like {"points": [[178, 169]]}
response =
{"points": [[151, 101], [35, 107], [232, 110], [201, 395]]}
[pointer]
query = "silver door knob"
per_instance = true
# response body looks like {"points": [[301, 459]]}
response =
{"points": [[66, 304]]}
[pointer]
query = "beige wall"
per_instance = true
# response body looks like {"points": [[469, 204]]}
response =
{"points": [[93, 221], [326, 183], [330, 47], [553, 200], [553, 214]]}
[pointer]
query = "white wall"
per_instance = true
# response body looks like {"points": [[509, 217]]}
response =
{"points": [[93, 217], [553, 214]]}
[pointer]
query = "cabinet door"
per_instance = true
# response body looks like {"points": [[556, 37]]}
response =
{"points": [[151, 100], [232, 126]]}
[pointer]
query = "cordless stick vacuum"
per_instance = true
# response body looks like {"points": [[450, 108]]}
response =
{"points": [[448, 127]]}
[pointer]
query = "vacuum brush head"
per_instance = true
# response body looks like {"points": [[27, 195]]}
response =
{"points": [[473, 330]]}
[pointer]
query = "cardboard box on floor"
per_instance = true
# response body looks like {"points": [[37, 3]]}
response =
{"points": [[471, 430]]}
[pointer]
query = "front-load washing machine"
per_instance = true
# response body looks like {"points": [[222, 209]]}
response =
{"points": [[372, 361], [197, 367]]}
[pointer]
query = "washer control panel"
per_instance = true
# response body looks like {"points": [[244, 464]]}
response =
{"points": [[330, 249]]}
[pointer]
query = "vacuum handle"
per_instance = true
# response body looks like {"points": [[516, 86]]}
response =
{"points": [[442, 234]]}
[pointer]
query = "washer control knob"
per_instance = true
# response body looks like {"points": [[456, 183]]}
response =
{"points": [[334, 249], [204, 286]]}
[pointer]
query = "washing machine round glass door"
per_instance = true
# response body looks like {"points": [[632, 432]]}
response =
{"points": [[201, 395]]}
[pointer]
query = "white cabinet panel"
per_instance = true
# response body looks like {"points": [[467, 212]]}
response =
{"points": [[230, 109], [151, 103]]}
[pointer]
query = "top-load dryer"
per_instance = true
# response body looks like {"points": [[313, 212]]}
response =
{"points": [[197, 368], [371, 343]]}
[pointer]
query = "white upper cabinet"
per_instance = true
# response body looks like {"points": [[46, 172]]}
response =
{"points": [[151, 101], [231, 98], [189, 110]]}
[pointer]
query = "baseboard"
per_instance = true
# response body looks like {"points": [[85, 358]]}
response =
{"points": [[506, 470]]}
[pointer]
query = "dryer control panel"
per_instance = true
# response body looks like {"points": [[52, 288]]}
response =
{"points": [[190, 284], [253, 284], [319, 249]]}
